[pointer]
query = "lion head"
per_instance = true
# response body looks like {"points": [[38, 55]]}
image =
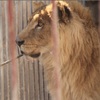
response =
{"points": [[35, 39]]}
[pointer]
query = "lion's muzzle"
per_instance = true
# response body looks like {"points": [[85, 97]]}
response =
{"points": [[20, 43]]}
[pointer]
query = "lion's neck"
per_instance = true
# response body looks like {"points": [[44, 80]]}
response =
{"points": [[77, 59]]}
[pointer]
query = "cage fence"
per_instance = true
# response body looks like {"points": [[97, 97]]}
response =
{"points": [[31, 84]]}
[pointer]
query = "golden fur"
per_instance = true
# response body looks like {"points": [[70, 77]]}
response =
{"points": [[79, 50]]}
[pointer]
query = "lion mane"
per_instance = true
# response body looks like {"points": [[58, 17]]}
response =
{"points": [[79, 49]]}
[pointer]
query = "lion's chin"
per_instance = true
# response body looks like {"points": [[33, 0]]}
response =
{"points": [[32, 58], [34, 55]]}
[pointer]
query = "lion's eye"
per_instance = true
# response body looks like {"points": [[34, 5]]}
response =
{"points": [[39, 25]]}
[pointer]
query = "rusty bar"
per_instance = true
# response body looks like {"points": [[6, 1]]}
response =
{"points": [[12, 50], [55, 35]]}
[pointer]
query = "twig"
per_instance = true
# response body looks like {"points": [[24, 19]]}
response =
{"points": [[8, 61]]}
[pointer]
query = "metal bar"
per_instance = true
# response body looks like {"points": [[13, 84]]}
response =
{"points": [[2, 52], [55, 36]]}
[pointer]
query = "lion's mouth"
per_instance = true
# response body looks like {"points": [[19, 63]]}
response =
{"points": [[36, 55]]}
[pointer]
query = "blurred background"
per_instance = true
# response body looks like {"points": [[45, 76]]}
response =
{"points": [[31, 84]]}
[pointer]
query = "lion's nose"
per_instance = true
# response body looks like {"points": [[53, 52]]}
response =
{"points": [[19, 41]]}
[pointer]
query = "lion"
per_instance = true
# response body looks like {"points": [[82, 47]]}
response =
{"points": [[79, 46]]}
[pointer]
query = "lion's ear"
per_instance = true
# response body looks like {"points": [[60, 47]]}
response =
{"points": [[37, 5], [64, 13]]}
